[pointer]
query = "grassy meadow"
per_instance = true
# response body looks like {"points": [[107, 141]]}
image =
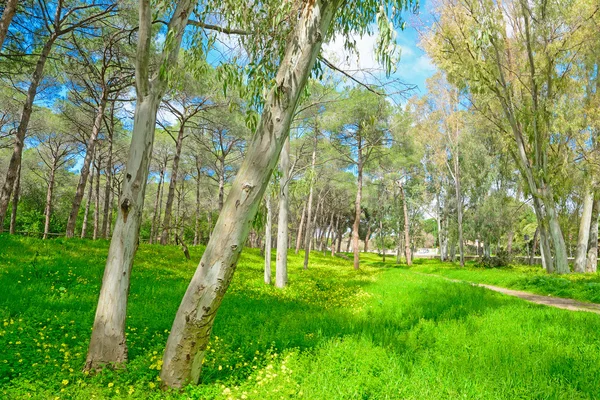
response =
{"points": [[384, 332]]}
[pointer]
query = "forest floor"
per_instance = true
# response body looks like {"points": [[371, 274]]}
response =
{"points": [[384, 332]]}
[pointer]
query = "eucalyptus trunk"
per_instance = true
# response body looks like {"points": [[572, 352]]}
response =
{"points": [[268, 241], [584, 232], [407, 251], [281, 275], [308, 234], [190, 334], [357, 210], [108, 341], [592, 253]]}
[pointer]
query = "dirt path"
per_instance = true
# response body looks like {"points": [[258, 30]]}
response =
{"points": [[558, 302]]}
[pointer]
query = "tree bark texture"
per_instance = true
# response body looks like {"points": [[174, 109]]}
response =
{"points": [[190, 334]]}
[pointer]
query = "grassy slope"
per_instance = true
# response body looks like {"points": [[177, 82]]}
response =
{"points": [[334, 333], [583, 287]]}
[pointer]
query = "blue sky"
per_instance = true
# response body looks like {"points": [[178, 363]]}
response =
{"points": [[414, 66]]}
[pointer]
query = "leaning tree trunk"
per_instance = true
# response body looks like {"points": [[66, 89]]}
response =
{"points": [[407, 252], [164, 238], [87, 164], [48, 209], [10, 8], [108, 341], [190, 334], [268, 241], [281, 276], [592, 254], [300, 228], [584, 232], [15, 203], [15, 159], [357, 210]]}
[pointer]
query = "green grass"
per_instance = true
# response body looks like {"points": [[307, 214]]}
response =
{"points": [[583, 287], [381, 333]]}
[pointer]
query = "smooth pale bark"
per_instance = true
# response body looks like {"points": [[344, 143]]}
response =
{"points": [[407, 252], [87, 207], [157, 210], [268, 241], [97, 202], [357, 210], [300, 229], [10, 8], [87, 164], [592, 253], [164, 238], [15, 203], [584, 232], [459, 209], [49, 192], [108, 341], [308, 234], [15, 159], [281, 275], [190, 334]]}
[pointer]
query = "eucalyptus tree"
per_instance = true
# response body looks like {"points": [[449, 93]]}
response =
{"points": [[45, 30], [517, 72], [310, 24], [281, 275], [108, 342]]}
